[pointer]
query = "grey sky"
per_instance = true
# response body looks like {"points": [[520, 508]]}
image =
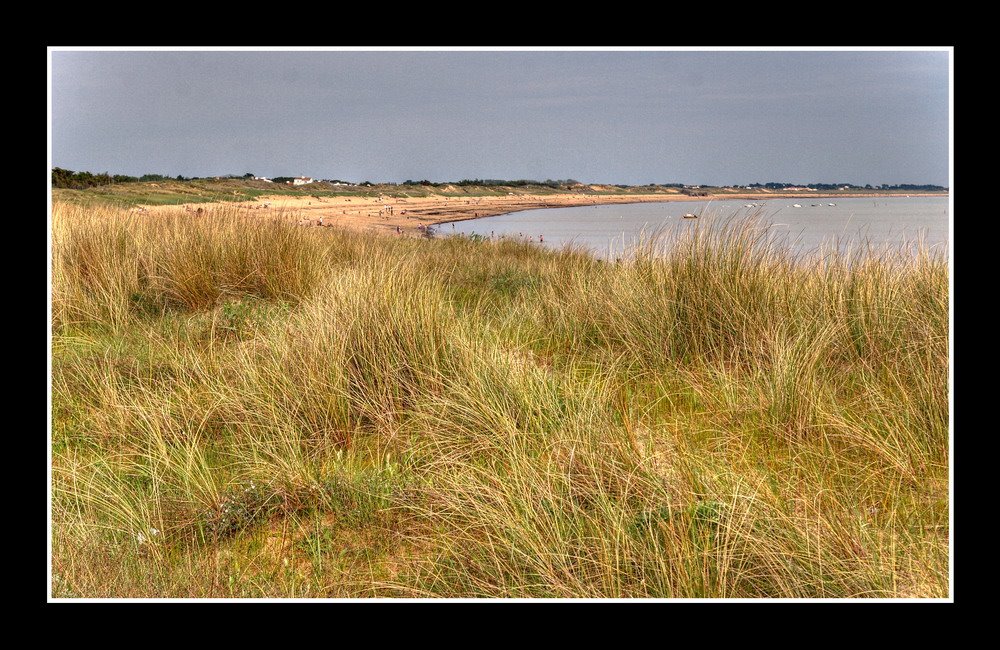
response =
{"points": [[617, 117]]}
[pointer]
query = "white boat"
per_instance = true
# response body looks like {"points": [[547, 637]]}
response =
{"points": [[690, 216], [796, 205], [832, 204]]}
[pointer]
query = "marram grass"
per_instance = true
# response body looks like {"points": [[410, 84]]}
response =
{"points": [[248, 408]]}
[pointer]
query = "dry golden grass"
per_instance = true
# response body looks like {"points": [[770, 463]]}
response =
{"points": [[246, 408]]}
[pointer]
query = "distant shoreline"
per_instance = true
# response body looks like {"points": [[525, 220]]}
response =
{"points": [[412, 215]]}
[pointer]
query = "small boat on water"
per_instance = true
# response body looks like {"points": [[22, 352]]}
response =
{"points": [[796, 205], [690, 216], [832, 204]]}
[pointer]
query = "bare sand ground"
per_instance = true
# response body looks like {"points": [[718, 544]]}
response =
{"points": [[411, 216]]}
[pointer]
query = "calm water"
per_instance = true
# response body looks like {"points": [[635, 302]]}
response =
{"points": [[608, 230]]}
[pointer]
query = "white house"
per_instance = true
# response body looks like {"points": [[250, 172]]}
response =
{"points": [[263, 178], [302, 180]]}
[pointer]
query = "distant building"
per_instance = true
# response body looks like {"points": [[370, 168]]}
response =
{"points": [[302, 180], [262, 178]]}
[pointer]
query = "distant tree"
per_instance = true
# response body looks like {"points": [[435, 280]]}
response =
{"points": [[249, 175], [67, 178], [908, 187], [61, 177]]}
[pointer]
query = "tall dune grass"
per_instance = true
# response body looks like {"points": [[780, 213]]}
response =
{"points": [[248, 408]]}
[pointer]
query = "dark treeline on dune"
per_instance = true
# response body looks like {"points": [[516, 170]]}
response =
{"points": [[69, 179]]}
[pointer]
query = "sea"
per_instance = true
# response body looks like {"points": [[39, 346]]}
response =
{"points": [[804, 225]]}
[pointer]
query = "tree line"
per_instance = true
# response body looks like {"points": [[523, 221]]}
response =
{"points": [[837, 186], [69, 179]]}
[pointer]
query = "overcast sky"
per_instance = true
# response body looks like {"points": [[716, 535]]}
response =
{"points": [[617, 117]]}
